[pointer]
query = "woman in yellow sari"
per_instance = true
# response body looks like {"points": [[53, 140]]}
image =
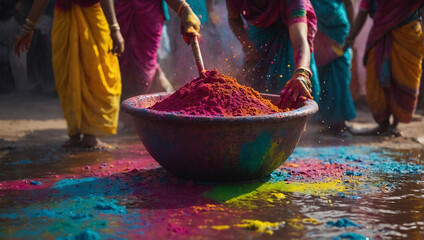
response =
{"points": [[393, 59], [85, 42]]}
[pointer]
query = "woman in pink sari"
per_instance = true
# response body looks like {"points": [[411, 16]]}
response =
{"points": [[141, 24]]}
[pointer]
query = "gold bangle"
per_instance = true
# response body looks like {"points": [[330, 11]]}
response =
{"points": [[27, 27], [305, 81], [300, 73], [114, 27], [27, 30], [181, 7], [304, 70], [29, 22]]}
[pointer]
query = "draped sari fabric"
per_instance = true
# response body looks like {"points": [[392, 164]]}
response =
{"points": [[335, 103], [87, 76], [268, 29], [141, 23], [393, 56]]}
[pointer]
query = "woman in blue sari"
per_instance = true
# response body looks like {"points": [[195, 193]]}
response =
{"points": [[277, 42], [335, 103]]}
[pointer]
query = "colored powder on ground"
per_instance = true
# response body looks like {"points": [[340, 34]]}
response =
{"points": [[241, 193], [221, 227], [19, 162], [68, 217], [176, 228], [37, 183], [313, 169], [351, 236], [69, 182], [216, 95], [299, 223], [259, 226], [343, 222], [84, 235], [365, 157]]}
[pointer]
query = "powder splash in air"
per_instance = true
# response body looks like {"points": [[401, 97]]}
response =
{"points": [[216, 95]]}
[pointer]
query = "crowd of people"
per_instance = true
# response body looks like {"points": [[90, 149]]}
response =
{"points": [[300, 49]]}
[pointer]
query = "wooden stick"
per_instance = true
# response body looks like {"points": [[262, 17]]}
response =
{"points": [[197, 55]]}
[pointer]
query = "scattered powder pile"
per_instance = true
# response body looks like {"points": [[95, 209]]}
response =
{"points": [[216, 95]]}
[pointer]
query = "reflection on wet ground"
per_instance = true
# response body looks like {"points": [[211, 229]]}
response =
{"points": [[349, 192]]}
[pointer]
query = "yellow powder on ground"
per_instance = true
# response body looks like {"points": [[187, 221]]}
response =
{"points": [[260, 226], [220, 227], [317, 188]]}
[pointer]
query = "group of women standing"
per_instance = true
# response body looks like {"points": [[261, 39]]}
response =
{"points": [[279, 42], [86, 44], [278, 39]]}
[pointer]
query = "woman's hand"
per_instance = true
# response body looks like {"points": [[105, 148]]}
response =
{"points": [[118, 42], [23, 41], [190, 24], [297, 90]]}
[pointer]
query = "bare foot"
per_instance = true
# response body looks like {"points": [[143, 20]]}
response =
{"points": [[395, 132], [73, 142], [92, 142]]}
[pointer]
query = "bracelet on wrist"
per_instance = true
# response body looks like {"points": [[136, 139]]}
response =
{"points": [[305, 71], [114, 27], [28, 28], [305, 81], [30, 23]]}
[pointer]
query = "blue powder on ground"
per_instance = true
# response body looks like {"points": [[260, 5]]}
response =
{"points": [[37, 183], [65, 217], [278, 176], [351, 236], [352, 173], [72, 181], [343, 195], [94, 186], [376, 160], [343, 222], [84, 235], [19, 162]]}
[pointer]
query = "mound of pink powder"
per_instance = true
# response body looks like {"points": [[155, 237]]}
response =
{"points": [[216, 95]]}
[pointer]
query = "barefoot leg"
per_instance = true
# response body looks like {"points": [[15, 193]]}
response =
{"points": [[91, 141], [73, 141], [394, 131]]}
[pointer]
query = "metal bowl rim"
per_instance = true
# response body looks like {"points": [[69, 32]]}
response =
{"points": [[129, 105]]}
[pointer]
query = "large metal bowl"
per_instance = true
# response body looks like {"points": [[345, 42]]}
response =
{"points": [[218, 148]]}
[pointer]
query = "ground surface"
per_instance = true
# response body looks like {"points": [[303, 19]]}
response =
{"points": [[330, 187]]}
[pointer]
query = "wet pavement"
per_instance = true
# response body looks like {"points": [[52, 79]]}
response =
{"points": [[344, 192]]}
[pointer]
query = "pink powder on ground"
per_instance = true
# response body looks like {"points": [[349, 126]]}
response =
{"points": [[216, 95]]}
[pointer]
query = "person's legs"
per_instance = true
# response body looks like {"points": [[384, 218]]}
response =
{"points": [[91, 141], [393, 130], [73, 141]]}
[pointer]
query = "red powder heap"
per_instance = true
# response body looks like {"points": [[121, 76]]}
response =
{"points": [[216, 95]]}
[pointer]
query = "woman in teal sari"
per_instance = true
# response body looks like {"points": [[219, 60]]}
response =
{"points": [[335, 103], [278, 46]]}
